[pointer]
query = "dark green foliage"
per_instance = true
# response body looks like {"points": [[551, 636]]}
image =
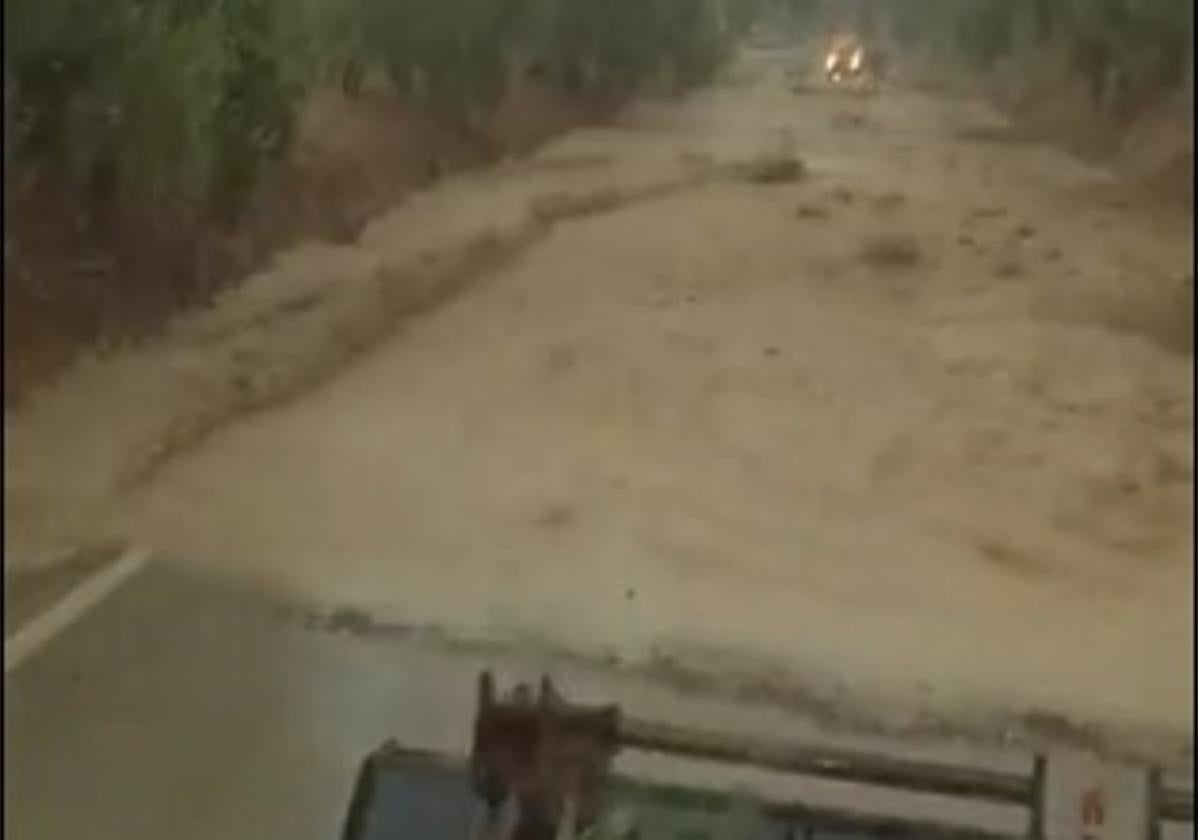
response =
{"points": [[195, 98], [253, 117], [155, 96], [1126, 48]]}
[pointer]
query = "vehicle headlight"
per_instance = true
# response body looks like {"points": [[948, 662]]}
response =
{"points": [[830, 62], [855, 61]]}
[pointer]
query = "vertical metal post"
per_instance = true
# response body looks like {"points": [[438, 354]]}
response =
{"points": [[1153, 829], [362, 799], [1036, 828]]}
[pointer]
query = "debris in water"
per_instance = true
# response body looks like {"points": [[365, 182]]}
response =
{"points": [[555, 516], [1008, 267], [890, 251], [843, 195], [778, 163], [350, 620], [888, 202], [980, 213], [774, 170], [850, 119]]}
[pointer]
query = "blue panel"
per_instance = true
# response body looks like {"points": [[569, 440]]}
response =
{"points": [[427, 803]]}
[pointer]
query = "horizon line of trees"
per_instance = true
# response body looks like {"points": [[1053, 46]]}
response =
{"points": [[194, 99]]}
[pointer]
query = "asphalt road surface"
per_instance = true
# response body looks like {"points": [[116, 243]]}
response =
{"points": [[184, 707]]}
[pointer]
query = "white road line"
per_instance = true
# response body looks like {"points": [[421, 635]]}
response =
{"points": [[70, 608]]}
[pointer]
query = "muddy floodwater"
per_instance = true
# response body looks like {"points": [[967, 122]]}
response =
{"points": [[905, 431]]}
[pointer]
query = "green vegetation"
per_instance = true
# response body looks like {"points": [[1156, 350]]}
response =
{"points": [[1127, 50], [193, 99], [788, 18], [169, 99]]}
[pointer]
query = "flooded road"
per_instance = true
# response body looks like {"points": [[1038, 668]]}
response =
{"points": [[907, 438]]}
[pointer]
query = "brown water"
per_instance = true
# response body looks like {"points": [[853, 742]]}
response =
{"points": [[911, 435]]}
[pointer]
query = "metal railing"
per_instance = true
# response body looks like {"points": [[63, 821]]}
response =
{"points": [[851, 766], [549, 751]]}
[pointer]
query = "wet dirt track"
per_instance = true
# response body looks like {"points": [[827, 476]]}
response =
{"points": [[908, 439]]}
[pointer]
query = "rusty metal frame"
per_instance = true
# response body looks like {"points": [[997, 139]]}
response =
{"points": [[549, 751], [520, 713], [1026, 790]]}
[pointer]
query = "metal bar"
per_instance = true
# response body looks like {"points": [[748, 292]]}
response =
{"points": [[1176, 805], [835, 820], [362, 800], [1153, 830], [828, 763], [1036, 828]]}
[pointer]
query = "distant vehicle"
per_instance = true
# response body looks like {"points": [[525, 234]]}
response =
{"points": [[847, 61]]}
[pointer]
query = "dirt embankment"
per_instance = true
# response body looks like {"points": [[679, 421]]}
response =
{"points": [[294, 324], [80, 275], [1147, 139]]}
